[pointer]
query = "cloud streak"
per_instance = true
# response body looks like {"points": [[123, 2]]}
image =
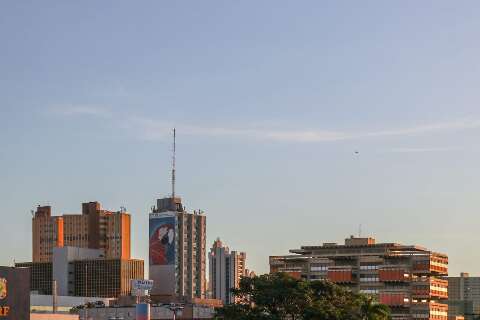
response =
{"points": [[428, 128], [81, 110], [422, 150], [153, 129]]}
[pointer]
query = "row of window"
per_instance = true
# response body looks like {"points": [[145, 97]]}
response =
{"points": [[369, 267], [369, 291]]}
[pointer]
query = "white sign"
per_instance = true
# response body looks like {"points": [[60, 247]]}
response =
{"points": [[140, 284], [154, 215]]}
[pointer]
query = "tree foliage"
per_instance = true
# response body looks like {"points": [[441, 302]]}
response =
{"points": [[280, 297]]}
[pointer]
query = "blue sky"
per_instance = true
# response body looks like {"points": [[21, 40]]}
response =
{"points": [[271, 100]]}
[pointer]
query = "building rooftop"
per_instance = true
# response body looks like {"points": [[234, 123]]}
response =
{"points": [[368, 245]]}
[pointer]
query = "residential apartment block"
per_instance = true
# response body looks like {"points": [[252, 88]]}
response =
{"points": [[464, 296], [177, 250], [409, 279], [226, 269], [94, 228]]}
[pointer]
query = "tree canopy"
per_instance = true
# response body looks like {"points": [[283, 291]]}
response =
{"points": [[281, 297]]}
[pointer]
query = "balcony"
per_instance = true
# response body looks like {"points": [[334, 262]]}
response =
{"points": [[393, 275], [434, 265], [395, 298], [340, 275], [430, 288], [429, 311]]}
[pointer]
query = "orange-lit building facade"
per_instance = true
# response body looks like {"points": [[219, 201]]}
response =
{"points": [[94, 228], [409, 279]]}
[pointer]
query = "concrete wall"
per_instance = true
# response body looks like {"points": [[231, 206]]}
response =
{"points": [[51, 316]]}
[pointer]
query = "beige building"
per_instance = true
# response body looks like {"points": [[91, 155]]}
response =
{"points": [[464, 296], [94, 228], [177, 250], [225, 269], [409, 279]]}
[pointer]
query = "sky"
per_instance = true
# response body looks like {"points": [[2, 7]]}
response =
{"points": [[297, 121]]}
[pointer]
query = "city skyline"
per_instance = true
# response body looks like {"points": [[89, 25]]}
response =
{"points": [[295, 126]]}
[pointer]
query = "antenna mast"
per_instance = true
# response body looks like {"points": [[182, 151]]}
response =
{"points": [[173, 165]]}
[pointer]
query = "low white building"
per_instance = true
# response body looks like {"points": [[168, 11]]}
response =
{"points": [[156, 313], [44, 303]]}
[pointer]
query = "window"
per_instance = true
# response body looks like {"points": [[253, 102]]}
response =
{"points": [[369, 291], [369, 267], [368, 278], [318, 267]]}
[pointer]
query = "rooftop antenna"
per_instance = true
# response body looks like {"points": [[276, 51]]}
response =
{"points": [[173, 165], [360, 230]]}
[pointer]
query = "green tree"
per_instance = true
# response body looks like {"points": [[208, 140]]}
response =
{"points": [[280, 297], [332, 302], [372, 310]]}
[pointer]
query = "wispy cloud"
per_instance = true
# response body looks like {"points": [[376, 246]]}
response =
{"points": [[153, 129], [461, 124], [81, 110], [421, 150]]}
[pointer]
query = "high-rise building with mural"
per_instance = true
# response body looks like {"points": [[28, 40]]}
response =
{"points": [[177, 248]]}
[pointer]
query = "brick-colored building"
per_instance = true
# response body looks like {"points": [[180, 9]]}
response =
{"points": [[94, 228], [409, 279]]}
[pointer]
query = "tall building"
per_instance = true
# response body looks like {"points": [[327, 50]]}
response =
{"points": [[105, 277], [464, 296], [177, 250], [225, 269], [94, 228], [84, 272], [406, 278]]}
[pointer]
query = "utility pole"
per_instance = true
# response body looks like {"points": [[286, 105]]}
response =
{"points": [[86, 300], [173, 164], [174, 308], [54, 296]]}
